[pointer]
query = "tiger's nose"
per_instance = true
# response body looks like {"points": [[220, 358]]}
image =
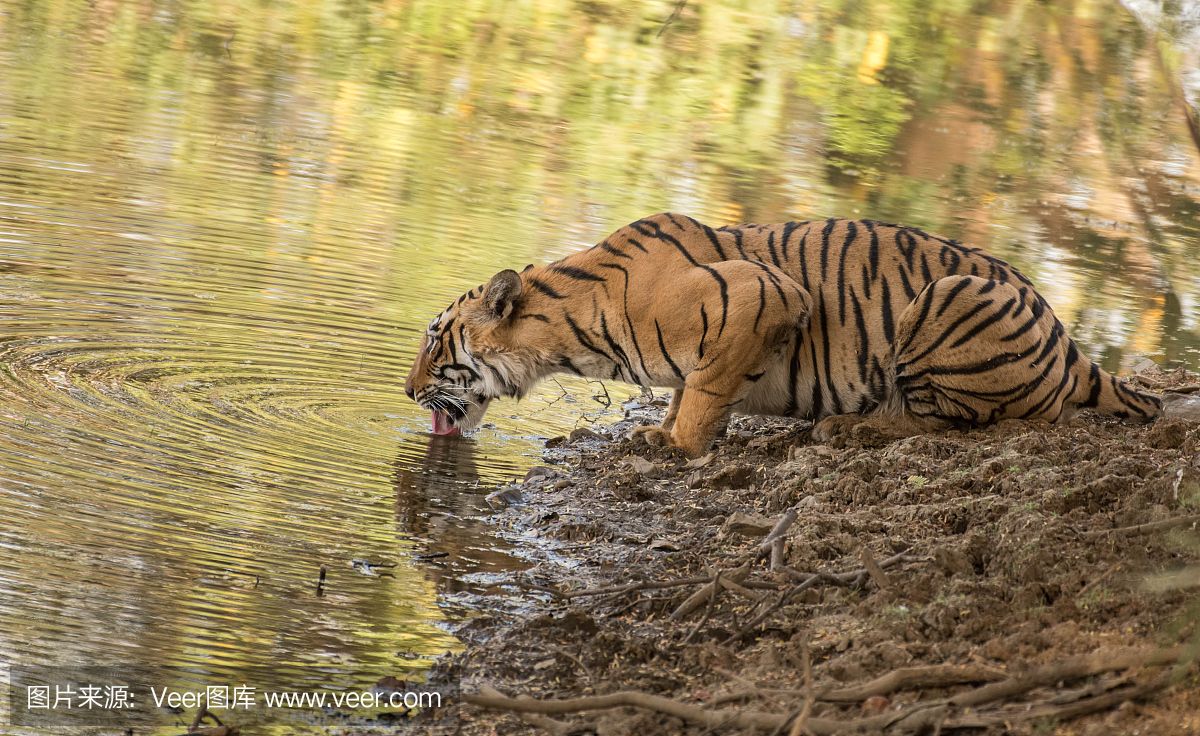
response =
{"points": [[409, 391]]}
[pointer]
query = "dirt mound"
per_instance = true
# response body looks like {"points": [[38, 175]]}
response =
{"points": [[777, 582]]}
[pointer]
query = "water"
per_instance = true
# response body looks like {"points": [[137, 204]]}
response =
{"points": [[224, 225]]}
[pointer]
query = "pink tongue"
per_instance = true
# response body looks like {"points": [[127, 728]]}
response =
{"points": [[442, 424]]}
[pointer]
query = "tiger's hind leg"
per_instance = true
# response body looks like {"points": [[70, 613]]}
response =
{"points": [[968, 352]]}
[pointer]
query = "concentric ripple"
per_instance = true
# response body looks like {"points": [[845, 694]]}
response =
{"points": [[202, 351]]}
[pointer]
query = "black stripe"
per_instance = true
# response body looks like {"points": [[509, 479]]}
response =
{"points": [[460, 367], [737, 240], [606, 246], [637, 348], [774, 282], [771, 248], [873, 252], [762, 302], [754, 377], [908, 252], [825, 245], [829, 382], [1093, 398], [863, 347], [954, 291], [984, 324], [889, 324], [920, 321], [704, 331], [658, 234], [545, 288], [667, 356], [1026, 327], [925, 274], [793, 375], [851, 236], [908, 289], [582, 337], [539, 317], [566, 363], [950, 330], [990, 364], [803, 258], [616, 349], [636, 244], [578, 274], [714, 239], [788, 229]]}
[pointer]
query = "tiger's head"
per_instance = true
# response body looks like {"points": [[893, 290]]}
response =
{"points": [[477, 350]]}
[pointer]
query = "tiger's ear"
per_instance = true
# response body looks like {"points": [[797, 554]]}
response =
{"points": [[501, 294]]}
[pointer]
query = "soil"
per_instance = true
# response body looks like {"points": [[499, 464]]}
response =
{"points": [[1003, 549]]}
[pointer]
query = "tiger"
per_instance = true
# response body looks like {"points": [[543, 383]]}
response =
{"points": [[864, 327]]}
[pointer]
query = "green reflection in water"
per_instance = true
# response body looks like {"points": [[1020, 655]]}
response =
{"points": [[223, 226]]}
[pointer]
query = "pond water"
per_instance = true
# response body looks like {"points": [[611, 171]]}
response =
{"points": [[224, 225]]}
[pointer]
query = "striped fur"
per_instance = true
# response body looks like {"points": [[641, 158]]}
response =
{"points": [[846, 321]]}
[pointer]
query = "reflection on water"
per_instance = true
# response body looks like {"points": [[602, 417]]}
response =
{"points": [[223, 226]]}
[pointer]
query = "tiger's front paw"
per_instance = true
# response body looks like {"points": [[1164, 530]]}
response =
{"points": [[835, 430], [653, 434]]}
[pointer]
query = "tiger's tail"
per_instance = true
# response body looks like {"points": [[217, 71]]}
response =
{"points": [[1097, 389]]}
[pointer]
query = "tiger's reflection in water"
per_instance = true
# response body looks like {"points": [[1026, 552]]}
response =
{"points": [[439, 502]]}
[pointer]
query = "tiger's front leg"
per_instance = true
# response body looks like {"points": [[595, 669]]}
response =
{"points": [[755, 320], [660, 435]]}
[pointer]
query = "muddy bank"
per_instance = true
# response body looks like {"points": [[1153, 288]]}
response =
{"points": [[777, 581]]}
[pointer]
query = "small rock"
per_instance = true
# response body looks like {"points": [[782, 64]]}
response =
{"points": [[733, 476], [558, 441], [504, 497], [701, 461], [875, 705], [1142, 364], [1182, 406], [747, 525], [663, 545], [540, 472], [563, 484], [583, 433], [642, 466]]}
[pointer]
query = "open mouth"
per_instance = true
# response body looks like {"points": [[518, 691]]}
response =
{"points": [[451, 416], [443, 424]]}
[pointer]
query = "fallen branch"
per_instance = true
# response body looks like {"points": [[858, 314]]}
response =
{"points": [[873, 569], [1026, 712], [1147, 528], [810, 696], [917, 717], [912, 678], [708, 592], [1104, 660]]}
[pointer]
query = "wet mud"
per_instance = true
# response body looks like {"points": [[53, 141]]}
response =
{"points": [[884, 588]]}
